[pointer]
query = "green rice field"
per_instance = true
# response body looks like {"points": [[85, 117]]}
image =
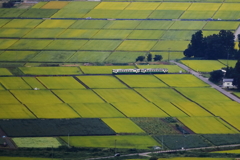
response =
{"points": [[119, 95], [122, 125], [233, 121], [33, 82], [161, 94], [182, 80], [60, 83], [13, 33], [170, 109], [7, 98], [207, 125], [14, 83], [236, 151], [90, 56], [26, 44], [35, 96], [37, 142], [228, 108], [121, 57], [192, 109], [78, 96], [230, 63], [199, 94], [15, 111], [136, 109], [102, 69], [139, 142], [96, 110], [101, 82], [194, 158], [52, 56], [59, 110], [203, 65], [43, 33], [136, 45], [168, 45], [17, 56], [136, 81], [22, 23], [5, 72], [50, 70]]}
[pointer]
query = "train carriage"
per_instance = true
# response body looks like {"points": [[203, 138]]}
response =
{"points": [[141, 71]]}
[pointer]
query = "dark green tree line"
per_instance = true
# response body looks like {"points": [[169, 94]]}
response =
{"points": [[216, 46]]}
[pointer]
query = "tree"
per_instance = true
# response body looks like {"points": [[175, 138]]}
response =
{"points": [[157, 58], [216, 76], [197, 44], [9, 4], [188, 52], [149, 57], [229, 72], [216, 46], [153, 158], [236, 77], [195, 48], [140, 58]]}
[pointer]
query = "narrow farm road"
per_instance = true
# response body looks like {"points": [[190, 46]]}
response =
{"points": [[236, 33], [208, 82], [147, 154]]}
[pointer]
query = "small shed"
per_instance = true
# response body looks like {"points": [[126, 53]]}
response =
{"points": [[227, 83]]}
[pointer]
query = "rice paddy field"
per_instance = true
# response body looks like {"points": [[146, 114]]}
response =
{"points": [[57, 58], [139, 142], [199, 94], [37, 142], [203, 65], [99, 27], [207, 125]]}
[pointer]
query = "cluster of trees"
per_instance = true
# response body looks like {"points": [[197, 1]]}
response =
{"points": [[216, 76], [216, 46], [149, 58], [8, 4]]}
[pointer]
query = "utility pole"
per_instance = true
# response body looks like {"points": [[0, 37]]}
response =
{"points": [[52, 152], [227, 58], [115, 146], [169, 54], [162, 143], [68, 141]]}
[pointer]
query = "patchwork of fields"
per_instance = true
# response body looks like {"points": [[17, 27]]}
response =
{"points": [[115, 101], [107, 32], [87, 106]]}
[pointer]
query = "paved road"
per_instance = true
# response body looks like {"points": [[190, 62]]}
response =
{"points": [[147, 154], [198, 75], [236, 33]]}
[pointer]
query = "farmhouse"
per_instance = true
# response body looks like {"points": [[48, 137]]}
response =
{"points": [[227, 83]]}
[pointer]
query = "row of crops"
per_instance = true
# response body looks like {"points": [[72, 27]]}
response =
{"points": [[123, 96], [127, 10], [76, 40], [90, 25], [197, 65]]}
